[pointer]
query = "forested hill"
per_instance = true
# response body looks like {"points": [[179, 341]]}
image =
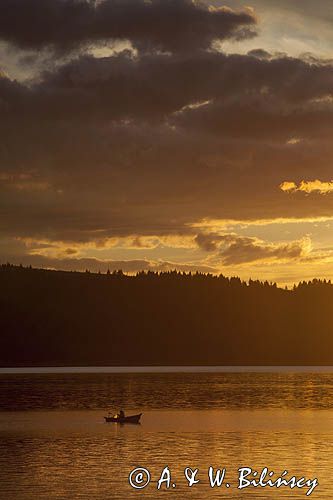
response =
{"points": [[64, 318]]}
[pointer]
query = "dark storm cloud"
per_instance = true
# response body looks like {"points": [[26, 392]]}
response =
{"points": [[260, 117], [146, 145], [105, 180], [156, 24], [153, 87]]}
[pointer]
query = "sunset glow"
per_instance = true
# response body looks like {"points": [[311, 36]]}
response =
{"points": [[166, 148]]}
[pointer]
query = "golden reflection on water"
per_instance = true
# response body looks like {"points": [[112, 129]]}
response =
{"points": [[74, 455], [54, 443]]}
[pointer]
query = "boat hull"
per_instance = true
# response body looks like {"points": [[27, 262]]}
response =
{"points": [[131, 419]]}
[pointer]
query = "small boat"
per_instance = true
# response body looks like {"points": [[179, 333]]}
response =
{"points": [[131, 419]]}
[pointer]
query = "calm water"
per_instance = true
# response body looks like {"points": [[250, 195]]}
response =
{"points": [[55, 445]]}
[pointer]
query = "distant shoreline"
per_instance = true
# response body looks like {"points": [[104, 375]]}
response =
{"points": [[164, 369], [52, 319]]}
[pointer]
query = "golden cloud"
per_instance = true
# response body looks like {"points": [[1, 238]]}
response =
{"points": [[60, 248], [218, 225], [288, 186], [308, 187]]}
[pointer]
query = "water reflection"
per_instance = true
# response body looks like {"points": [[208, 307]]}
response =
{"points": [[73, 461], [168, 390], [55, 445]]}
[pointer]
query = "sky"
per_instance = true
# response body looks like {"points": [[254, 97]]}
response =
{"points": [[168, 134]]}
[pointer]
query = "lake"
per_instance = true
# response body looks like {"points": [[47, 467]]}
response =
{"points": [[54, 443]]}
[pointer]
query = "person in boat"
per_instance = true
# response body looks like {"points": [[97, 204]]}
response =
{"points": [[120, 414]]}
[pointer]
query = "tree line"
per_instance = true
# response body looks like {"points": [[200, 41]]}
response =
{"points": [[168, 318]]}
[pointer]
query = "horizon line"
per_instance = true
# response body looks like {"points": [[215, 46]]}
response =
{"points": [[281, 285], [166, 369]]}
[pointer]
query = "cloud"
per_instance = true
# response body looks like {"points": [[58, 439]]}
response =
{"points": [[168, 25], [207, 241], [226, 250], [288, 186], [306, 9], [71, 251], [233, 249], [242, 250], [144, 180], [308, 187], [260, 53], [215, 225], [95, 265], [60, 249], [148, 143], [244, 96]]}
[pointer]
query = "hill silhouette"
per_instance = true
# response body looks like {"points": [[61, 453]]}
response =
{"points": [[68, 318]]}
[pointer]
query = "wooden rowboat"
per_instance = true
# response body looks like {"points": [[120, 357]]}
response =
{"points": [[131, 419]]}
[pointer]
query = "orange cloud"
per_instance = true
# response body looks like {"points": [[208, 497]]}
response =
{"points": [[308, 187], [288, 186], [218, 225]]}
